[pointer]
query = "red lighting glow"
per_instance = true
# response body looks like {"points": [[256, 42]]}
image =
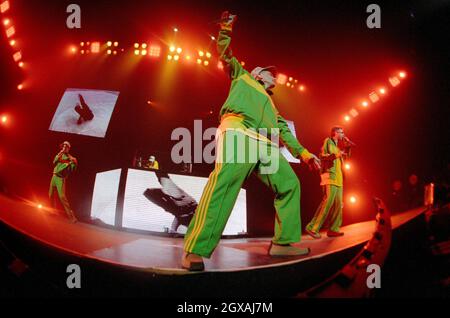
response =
{"points": [[281, 79], [20, 87], [10, 31], [155, 51], [347, 118], [4, 6], [364, 104], [4, 119], [12, 42], [402, 74], [382, 90], [347, 166], [17, 56], [95, 47], [6, 22], [301, 88]]}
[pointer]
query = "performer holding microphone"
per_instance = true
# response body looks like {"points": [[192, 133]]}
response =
{"points": [[335, 149], [64, 164], [248, 108]]}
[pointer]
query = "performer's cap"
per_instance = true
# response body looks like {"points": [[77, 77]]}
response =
{"points": [[257, 70], [65, 143]]}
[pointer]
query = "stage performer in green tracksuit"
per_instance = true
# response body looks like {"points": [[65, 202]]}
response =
{"points": [[335, 149], [248, 116], [64, 164]]}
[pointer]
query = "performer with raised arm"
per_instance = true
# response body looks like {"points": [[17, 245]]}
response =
{"points": [[245, 115]]}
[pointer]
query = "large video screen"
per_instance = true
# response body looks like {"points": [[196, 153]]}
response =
{"points": [[84, 112], [159, 202], [104, 198]]}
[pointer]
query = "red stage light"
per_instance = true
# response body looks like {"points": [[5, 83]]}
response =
{"points": [[136, 52], [17, 56], [21, 64], [20, 87], [205, 63], [95, 47], [144, 45], [354, 112], [143, 52], [220, 65], [301, 88], [12, 42], [199, 61], [394, 81], [73, 49], [4, 119], [4, 6], [402, 74], [382, 90], [176, 57], [364, 104], [155, 51], [374, 97], [281, 79], [172, 48], [108, 52], [116, 44], [6, 22], [347, 166], [39, 206], [352, 199], [10, 31], [347, 118]]}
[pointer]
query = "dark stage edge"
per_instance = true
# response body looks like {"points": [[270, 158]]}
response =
{"points": [[122, 263]]}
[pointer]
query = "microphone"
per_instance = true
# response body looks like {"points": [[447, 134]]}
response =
{"points": [[349, 142]]}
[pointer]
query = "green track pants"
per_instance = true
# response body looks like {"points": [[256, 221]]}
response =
{"points": [[224, 184], [59, 184], [331, 205]]}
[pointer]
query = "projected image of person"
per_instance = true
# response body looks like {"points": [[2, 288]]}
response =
{"points": [[83, 110], [174, 200], [248, 108], [64, 164]]}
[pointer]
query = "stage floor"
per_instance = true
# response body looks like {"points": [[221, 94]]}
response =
{"points": [[163, 254]]}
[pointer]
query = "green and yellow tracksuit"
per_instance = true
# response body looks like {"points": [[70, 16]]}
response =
{"points": [[247, 109], [332, 182], [63, 167]]}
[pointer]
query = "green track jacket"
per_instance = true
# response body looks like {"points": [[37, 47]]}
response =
{"points": [[249, 99]]}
